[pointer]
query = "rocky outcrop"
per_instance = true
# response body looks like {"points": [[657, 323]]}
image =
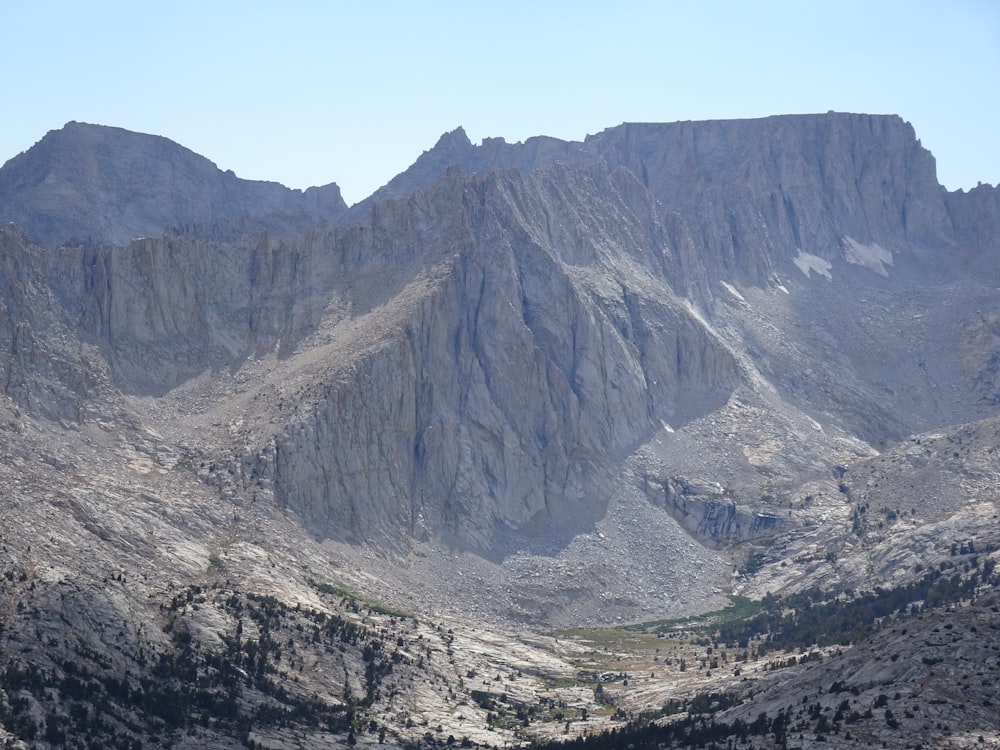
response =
{"points": [[976, 217], [710, 513], [758, 191], [455, 149], [95, 184]]}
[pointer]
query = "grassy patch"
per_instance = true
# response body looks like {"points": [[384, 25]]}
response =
{"points": [[740, 608], [612, 649], [616, 640]]}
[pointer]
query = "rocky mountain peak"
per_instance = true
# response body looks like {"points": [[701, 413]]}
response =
{"points": [[455, 141], [108, 185], [755, 193]]}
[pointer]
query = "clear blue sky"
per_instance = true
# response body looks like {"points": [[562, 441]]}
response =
{"points": [[307, 93]]}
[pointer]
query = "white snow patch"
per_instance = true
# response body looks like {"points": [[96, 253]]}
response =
{"points": [[874, 257], [783, 288], [808, 262], [666, 427], [733, 291], [693, 312]]}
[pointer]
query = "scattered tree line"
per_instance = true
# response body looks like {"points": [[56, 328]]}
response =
{"points": [[244, 685], [814, 618]]}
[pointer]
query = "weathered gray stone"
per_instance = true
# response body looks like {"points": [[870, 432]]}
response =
{"points": [[96, 184]]}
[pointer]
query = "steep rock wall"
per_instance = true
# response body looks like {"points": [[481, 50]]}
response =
{"points": [[500, 342], [507, 393], [44, 368], [756, 192], [976, 217], [164, 309]]}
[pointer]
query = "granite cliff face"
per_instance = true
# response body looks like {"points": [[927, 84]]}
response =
{"points": [[46, 369], [759, 191], [754, 192], [514, 381]]}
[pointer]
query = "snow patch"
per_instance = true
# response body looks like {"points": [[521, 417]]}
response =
{"points": [[693, 312], [733, 291], [808, 262], [666, 427], [874, 257], [783, 288]]}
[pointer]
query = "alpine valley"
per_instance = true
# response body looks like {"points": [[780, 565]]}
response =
{"points": [[685, 435]]}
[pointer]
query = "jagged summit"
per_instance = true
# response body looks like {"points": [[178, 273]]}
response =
{"points": [[454, 148], [756, 193], [108, 185], [456, 140]]}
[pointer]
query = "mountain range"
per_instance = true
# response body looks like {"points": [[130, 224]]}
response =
{"points": [[276, 470]]}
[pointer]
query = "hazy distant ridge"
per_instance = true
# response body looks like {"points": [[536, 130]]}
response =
{"points": [[93, 183]]}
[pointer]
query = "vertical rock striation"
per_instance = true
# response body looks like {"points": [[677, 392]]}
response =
{"points": [[511, 388]]}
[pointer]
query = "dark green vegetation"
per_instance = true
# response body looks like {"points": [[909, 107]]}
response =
{"points": [[694, 730], [233, 664], [814, 618], [249, 680], [740, 609], [799, 622], [354, 600]]}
